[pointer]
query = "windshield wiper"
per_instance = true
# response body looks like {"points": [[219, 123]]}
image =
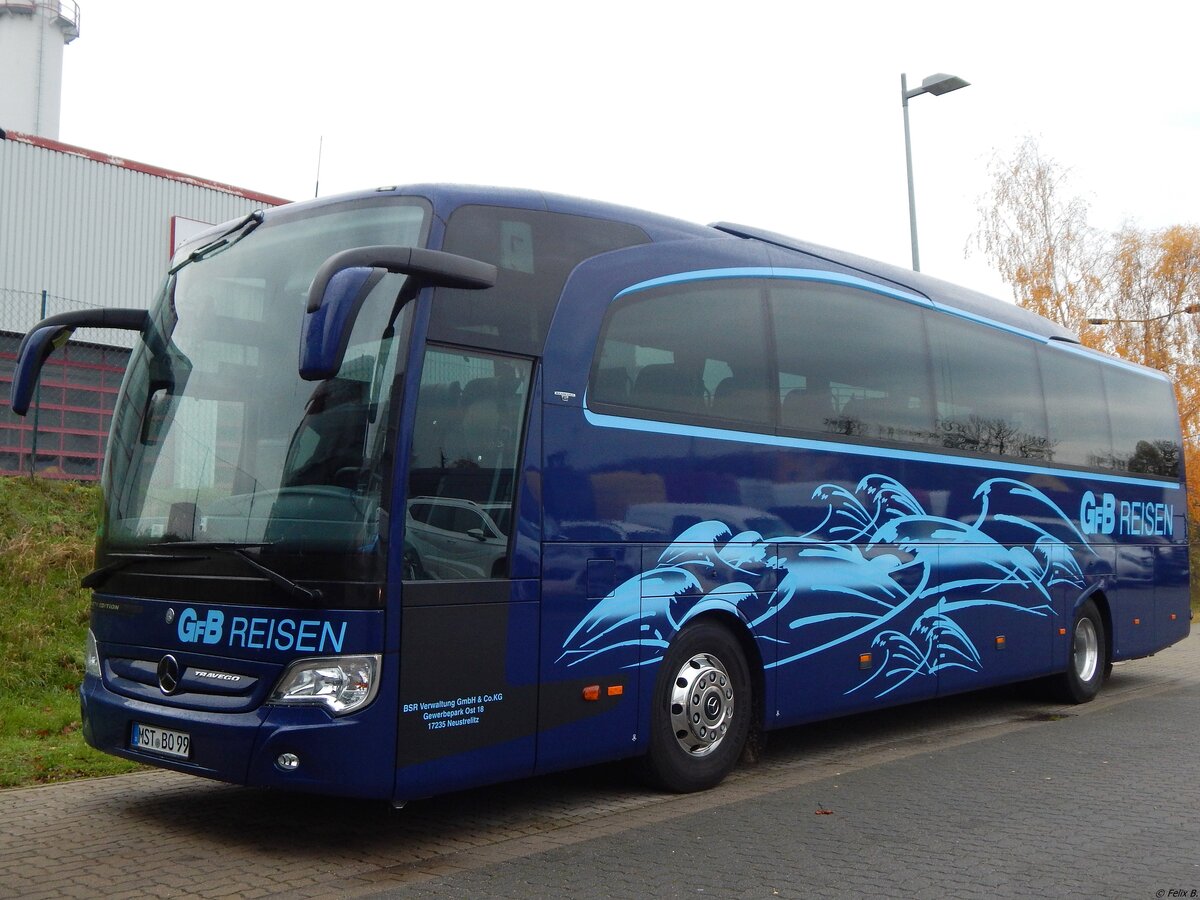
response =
{"points": [[97, 577], [235, 548], [222, 241], [238, 549]]}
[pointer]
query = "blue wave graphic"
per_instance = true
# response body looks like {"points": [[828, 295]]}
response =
{"points": [[875, 566]]}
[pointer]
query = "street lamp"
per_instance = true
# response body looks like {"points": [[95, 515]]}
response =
{"points": [[937, 85], [1192, 309]]}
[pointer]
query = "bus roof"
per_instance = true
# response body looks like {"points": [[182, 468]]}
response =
{"points": [[447, 197]]}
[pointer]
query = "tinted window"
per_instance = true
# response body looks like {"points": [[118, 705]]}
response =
{"points": [[1076, 411], [1142, 414], [694, 351], [466, 446], [851, 363], [989, 391], [534, 253]]}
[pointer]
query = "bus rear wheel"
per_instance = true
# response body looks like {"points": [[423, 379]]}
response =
{"points": [[702, 709], [1088, 664]]}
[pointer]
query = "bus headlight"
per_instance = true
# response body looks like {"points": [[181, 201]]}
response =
{"points": [[342, 684], [91, 655]]}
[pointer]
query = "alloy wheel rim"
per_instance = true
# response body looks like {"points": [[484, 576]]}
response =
{"points": [[1086, 650], [702, 704]]}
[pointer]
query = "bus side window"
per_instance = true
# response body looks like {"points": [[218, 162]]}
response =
{"points": [[808, 408], [1076, 410], [851, 363], [742, 395], [691, 352], [978, 411], [1145, 436], [613, 384], [669, 387]]}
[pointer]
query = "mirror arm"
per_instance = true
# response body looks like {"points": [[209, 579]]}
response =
{"points": [[51, 333], [428, 266], [121, 319]]}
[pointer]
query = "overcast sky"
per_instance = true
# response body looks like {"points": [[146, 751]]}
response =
{"points": [[782, 115]]}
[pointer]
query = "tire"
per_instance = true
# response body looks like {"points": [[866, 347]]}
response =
{"points": [[702, 710], [1088, 664]]}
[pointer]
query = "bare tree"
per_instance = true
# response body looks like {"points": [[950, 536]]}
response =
{"points": [[1038, 238]]}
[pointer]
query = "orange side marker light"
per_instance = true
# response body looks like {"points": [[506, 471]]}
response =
{"points": [[616, 690], [864, 660], [591, 692]]}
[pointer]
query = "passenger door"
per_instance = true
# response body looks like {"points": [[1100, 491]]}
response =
{"points": [[469, 629]]}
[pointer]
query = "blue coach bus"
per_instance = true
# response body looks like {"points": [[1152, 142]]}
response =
{"points": [[430, 487]]}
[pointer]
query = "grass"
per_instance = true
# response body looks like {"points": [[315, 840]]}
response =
{"points": [[47, 535]]}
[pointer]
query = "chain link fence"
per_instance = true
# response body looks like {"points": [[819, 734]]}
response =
{"points": [[65, 432]]}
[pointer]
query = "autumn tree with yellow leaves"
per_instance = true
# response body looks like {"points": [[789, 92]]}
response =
{"points": [[1145, 284]]}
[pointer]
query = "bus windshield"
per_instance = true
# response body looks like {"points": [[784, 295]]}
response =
{"points": [[216, 437]]}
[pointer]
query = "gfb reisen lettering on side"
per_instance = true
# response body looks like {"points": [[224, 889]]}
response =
{"points": [[1108, 515]]}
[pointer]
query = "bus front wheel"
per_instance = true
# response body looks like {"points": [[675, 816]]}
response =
{"points": [[702, 709], [1088, 662]]}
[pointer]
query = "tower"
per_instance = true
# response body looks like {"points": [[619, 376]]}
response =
{"points": [[32, 36]]}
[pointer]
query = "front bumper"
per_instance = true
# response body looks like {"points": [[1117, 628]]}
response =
{"points": [[351, 756]]}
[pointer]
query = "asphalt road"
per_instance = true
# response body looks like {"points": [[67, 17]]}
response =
{"points": [[988, 795]]}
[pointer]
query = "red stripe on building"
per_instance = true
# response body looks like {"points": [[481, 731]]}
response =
{"points": [[144, 168]]}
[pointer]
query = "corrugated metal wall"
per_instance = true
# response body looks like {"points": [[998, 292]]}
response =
{"points": [[87, 232]]}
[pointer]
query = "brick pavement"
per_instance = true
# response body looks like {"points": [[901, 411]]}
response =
{"points": [[1099, 805], [983, 794]]}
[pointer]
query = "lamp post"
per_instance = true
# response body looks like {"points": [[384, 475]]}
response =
{"points": [[937, 85], [1192, 309], [1147, 355]]}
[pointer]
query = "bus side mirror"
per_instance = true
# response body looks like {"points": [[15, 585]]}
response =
{"points": [[35, 349], [346, 278], [51, 333], [326, 329]]}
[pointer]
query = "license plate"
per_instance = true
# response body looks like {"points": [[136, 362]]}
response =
{"points": [[160, 740]]}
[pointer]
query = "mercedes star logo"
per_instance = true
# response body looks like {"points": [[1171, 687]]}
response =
{"points": [[168, 674]]}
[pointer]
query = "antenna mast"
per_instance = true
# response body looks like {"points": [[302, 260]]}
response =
{"points": [[320, 147]]}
